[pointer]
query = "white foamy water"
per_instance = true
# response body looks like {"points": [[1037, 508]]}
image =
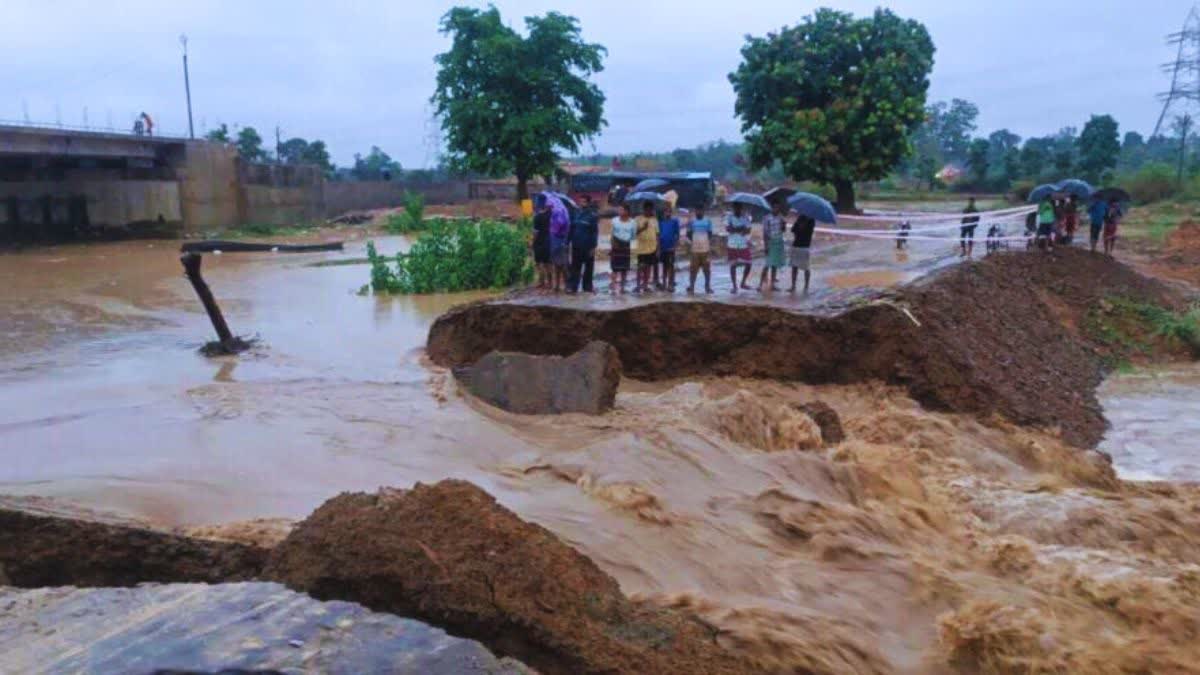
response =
{"points": [[1155, 432]]}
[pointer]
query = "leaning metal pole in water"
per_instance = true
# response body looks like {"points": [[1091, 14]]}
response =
{"points": [[191, 267]]}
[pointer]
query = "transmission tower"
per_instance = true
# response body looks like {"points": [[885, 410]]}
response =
{"points": [[1184, 96]]}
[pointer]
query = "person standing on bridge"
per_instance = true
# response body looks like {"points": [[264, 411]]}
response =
{"points": [[699, 233], [967, 231], [584, 235], [149, 124]]}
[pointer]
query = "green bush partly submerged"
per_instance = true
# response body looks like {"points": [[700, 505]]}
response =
{"points": [[455, 256]]}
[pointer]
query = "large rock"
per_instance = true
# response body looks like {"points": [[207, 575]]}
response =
{"points": [[585, 382], [450, 555]]}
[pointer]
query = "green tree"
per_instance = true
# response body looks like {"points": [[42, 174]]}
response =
{"points": [[953, 126], [1133, 151], [300, 151], [1064, 152], [377, 165], [509, 104], [218, 135], [834, 98], [977, 161], [249, 145], [1035, 157], [1099, 147], [1003, 156]]}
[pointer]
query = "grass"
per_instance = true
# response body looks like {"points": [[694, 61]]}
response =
{"points": [[252, 230], [1152, 224], [1131, 327]]}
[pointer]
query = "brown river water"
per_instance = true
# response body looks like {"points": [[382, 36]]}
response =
{"points": [[922, 543]]}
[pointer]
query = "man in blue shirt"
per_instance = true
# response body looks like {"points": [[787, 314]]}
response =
{"points": [[583, 236], [1096, 213], [668, 239]]}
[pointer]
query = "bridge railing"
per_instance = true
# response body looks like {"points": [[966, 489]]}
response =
{"points": [[90, 128]]}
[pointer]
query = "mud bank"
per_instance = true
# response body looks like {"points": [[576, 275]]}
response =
{"points": [[447, 554], [1002, 336], [41, 550]]}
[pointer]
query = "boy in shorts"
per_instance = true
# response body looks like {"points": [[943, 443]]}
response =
{"points": [[699, 233]]}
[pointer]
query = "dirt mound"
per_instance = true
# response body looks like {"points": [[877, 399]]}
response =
{"points": [[38, 550], [450, 555], [1004, 336]]}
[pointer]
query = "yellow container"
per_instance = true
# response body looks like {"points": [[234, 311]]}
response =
{"points": [[527, 208]]}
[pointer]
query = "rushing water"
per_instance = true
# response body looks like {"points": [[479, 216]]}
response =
{"points": [[856, 559], [1156, 428]]}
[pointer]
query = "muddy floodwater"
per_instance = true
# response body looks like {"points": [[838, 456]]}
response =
{"points": [[1156, 428], [877, 555]]}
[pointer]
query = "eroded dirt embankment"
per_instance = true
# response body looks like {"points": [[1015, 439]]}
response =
{"points": [[1004, 335]]}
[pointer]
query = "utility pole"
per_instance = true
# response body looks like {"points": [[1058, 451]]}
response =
{"points": [[278, 145], [1184, 70], [187, 86]]}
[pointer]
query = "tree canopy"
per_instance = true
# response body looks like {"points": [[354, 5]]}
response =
{"points": [[834, 98], [1099, 147], [509, 104], [377, 165], [249, 145], [300, 151]]}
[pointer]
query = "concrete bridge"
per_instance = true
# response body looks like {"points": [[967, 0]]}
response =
{"points": [[62, 184]]}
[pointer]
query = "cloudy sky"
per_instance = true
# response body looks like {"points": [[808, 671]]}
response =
{"points": [[360, 73]]}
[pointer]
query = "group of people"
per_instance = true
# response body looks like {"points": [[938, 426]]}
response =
{"points": [[564, 248], [1054, 222], [1057, 219]]}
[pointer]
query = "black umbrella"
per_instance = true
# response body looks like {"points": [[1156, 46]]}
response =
{"points": [[645, 197], [1074, 186], [749, 199], [778, 194], [1111, 193], [814, 206], [651, 184]]}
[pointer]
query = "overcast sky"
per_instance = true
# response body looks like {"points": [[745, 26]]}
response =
{"points": [[361, 73]]}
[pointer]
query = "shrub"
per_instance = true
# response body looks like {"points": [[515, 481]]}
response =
{"points": [[1151, 183], [455, 256], [1020, 190], [411, 219]]}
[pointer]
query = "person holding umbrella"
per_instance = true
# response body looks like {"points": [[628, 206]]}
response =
{"points": [[647, 247], [811, 208], [541, 242], [1046, 221], [737, 225]]}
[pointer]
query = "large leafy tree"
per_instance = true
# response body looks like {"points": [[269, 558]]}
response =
{"points": [[952, 125], [250, 145], [377, 165], [509, 104], [300, 151], [835, 97], [1099, 147], [977, 161]]}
